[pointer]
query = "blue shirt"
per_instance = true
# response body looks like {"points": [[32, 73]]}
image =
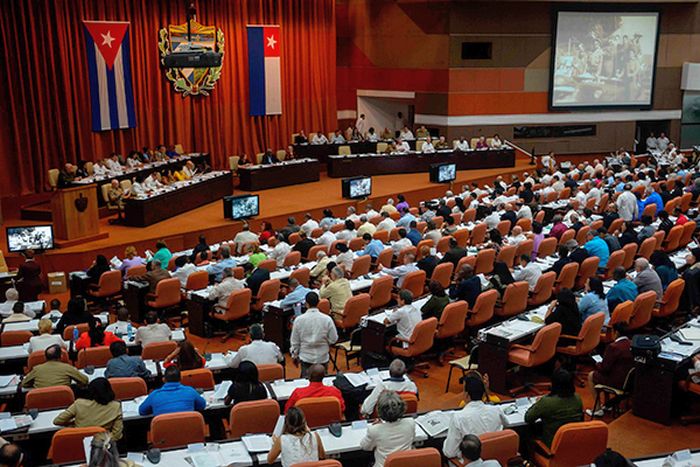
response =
{"points": [[406, 220], [172, 397], [295, 296], [414, 236], [624, 290], [126, 366], [373, 248], [590, 304], [217, 269], [597, 247], [654, 198]]}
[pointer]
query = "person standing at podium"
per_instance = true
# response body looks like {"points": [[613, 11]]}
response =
{"points": [[28, 279]]}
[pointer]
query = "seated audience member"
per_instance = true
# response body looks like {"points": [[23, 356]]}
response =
{"points": [[345, 257], [558, 227], [162, 254], [185, 357], [246, 385], [172, 397], [470, 450], [153, 331], [297, 443], [647, 279], [131, 259], [297, 294], [95, 336], [183, 269], [664, 267], [406, 317], [304, 245], [20, 313], [561, 406], [316, 388], [99, 267], [392, 432], [259, 351], [266, 233], [628, 234], [327, 237], [45, 339], [593, 301], [155, 275], [366, 227], [648, 230], [255, 254], [289, 229], [467, 286], [10, 454], [623, 290], [563, 260], [312, 334], [319, 138], [501, 277], [373, 247], [387, 223], [54, 313], [616, 364], [120, 328], [53, 372], [96, 408], [309, 224], [665, 223], [400, 272], [612, 458], [280, 249], [221, 291], [564, 311], [11, 297], [76, 313], [349, 232], [428, 261], [225, 261], [122, 365], [475, 418], [596, 246], [529, 273], [454, 254], [268, 158], [398, 382], [437, 302], [255, 277], [201, 247], [577, 253], [413, 234]]}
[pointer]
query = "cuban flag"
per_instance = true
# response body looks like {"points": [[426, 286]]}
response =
{"points": [[109, 69], [264, 70]]}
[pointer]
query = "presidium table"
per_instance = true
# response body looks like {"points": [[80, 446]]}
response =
{"points": [[261, 177], [177, 199], [413, 162]]}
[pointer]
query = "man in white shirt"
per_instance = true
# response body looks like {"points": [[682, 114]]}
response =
{"points": [[319, 138], [626, 203], [594, 193], [428, 147], [351, 214], [259, 351], [529, 273], [360, 125], [389, 206], [121, 326], [524, 212], [516, 236], [151, 182], [327, 238], [243, 237], [492, 219], [475, 418], [406, 134], [662, 142], [400, 272], [397, 382], [401, 243], [462, 144], [402, 146], [221, 291], [11, 297], [153, 331], [98, 169], [183, 269], [338, 138], [349, 232], [370, 211], [470, 448], [113, 164], [312, 335], [137, 188], [387, 222], [309, 224], [279, 251], [651, 142], [406, 317]]}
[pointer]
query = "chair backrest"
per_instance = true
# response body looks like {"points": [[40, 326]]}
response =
{"points": [[409, 250], [254, 417], [268, 291], [95, 356], [647, 247], [688, 231], [643, 309], [589, 334], [524, 248], [270, 372], [514, 299], [158, 350], [294, 238], [313, 251], [615, 225], [503, 227], [568, 234], [333, 250], [11, 338], [501, 446], [201, 378], [320, 411], [452, 320], [423, 337], [167, 293], [356, 244], [324, 306], [425, 457], [444, 244], [110, 283], [525, 224], [52, 397], [567, 443], [588, 269], [621, 314], [67, 444], [630, 252], [38, 357], [292, 259], [484, 261], [671, 299], [411, 401], [462, 237], [238, 304], [68, 331], [543, 288], [128, 388], [478, 234], [547, 247], [53, 178], [567, 277], [673, 239], [581, 234], [650, 210], [660, 236], [136, 271], [544, 345], [303, 275], [382, 236], [323, 463], [385, 258], [177, 429], [616, 259], [361, 265], [233, 162], [443, 274], [380, 291], [198, 280], [469, 216], [483, 309], [269, 264], [355, 308], [507, 255], [415, 282]]}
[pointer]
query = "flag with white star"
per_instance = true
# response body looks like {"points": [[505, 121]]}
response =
{"points": [[264, 71], [109, 71]]}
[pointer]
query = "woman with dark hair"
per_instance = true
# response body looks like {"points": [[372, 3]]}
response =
{"points": [[495, 240], [664, 267], [247, 386], [76, 313], [297, 443], [564, 311], [97, 408], [185, 357], [594, 300], [99, 266], [459, 205], [162, 254], [267, 233], [437, 302], [402, 204], [561, 406], [96, 336], [501, 277], [628, 234]]}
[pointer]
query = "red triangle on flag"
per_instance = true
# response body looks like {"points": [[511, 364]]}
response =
{"points": [[108, 36]]}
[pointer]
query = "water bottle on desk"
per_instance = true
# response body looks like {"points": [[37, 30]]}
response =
{"points": [[129, 332]]}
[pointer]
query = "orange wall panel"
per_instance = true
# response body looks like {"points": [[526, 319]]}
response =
{"points": [[486, 79]]}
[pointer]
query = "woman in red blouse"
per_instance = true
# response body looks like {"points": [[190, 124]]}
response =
{"points": [[267, 232], [96, 336]]}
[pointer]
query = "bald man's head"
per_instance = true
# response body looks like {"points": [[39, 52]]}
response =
{"points": [[316, 373]]}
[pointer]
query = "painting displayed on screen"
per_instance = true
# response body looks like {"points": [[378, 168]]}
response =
{"points": [[603, 59], [36, 237]]}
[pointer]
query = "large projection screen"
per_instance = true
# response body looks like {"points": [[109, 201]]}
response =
{"points": [[603, 59]]}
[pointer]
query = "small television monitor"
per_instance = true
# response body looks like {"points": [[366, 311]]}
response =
{"points": [[357, 187], [241, 207], [443, 173], [35, 237]]}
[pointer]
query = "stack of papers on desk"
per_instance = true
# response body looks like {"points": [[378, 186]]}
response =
{"points": [[434, 423], [6, 380], [257, 443], [357, 379], [690, 333]]}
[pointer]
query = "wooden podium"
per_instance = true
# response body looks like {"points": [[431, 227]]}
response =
{"points": [[75, 216]]}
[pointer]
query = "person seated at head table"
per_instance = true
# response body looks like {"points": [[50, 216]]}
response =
{"points": [[268, 158], [319, 138], [338, 138], [481, 143]]}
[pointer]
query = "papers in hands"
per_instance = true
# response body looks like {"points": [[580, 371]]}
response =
{"points": [[222, 390]]}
